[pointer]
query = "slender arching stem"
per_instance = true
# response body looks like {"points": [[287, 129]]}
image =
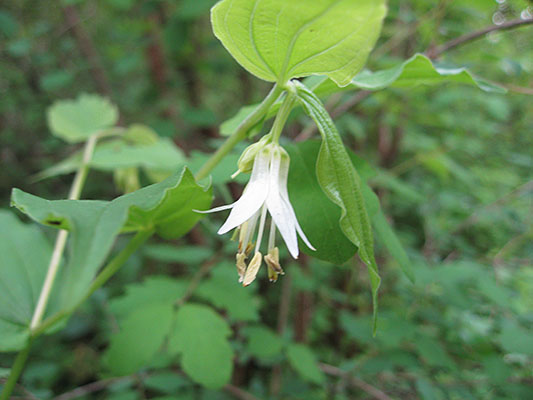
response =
{"points": [[283, 115], [241, 132], [61, 240]]}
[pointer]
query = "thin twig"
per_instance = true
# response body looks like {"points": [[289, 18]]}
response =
{"points": [[469, 37], [239, 393], [195, 281], [90, 388], [354, 381]]}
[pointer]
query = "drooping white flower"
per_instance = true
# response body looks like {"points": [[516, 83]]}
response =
{"points": [[265, 192]]}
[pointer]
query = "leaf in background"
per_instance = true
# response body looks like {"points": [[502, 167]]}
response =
{"points": [[166, 207], [515, 339], [200, 336], [302, 359], [139, 147], [341, 183], [263, 343], [228, 127], [76, 120], [385, 233], [24, 255], [223, 290], [433, 353], [169, 253], [416, 71], [277, 40], [318, 216], [153, 290], [141, 335]]}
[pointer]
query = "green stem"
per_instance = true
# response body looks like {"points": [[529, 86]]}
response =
{"points": [[240, 133], [282, 116], [114, 265], [107, 272], [16, 370]]}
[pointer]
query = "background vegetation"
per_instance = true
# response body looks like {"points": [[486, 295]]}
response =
{"points": [[451, 164]]}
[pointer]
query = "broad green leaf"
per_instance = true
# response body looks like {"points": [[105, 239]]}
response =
{"points": [[166, 207], [141, 335], [515, 339], [24, 255], [76, 120], [200, 336], [223, 290], [318, 216], [302, 359], [229, 126], [341, 183], [433, 353], [159, 155], [416, 71], [263, 343], [153, 290], [277, 40], [189, 255]]}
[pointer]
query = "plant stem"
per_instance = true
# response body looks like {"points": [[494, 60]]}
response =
{"points": [[16, 370], [61, 240], [51, 274], [282, 116], [107, 272], [240, 133], [114, 265]]}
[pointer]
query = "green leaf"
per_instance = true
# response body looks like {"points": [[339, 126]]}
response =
{"points": [[153, 290], [229, 126], [24, 255], [167, 253], [76, 120], [386, 233], [433, 353], [416, 71], [341, 183], [263, 343], [318, 216], [141, 335], [277, 40], [166, 207], [136, 149], [200, 336], [515, 339], [302, 359], [223, 290]]}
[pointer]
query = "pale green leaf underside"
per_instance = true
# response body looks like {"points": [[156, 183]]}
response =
{"points": [[76, 120], [416, 71], [341, 183], [24, 255], [166, 207], [277, 40]]}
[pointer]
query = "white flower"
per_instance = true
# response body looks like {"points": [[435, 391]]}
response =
{"points": [[266, 191]]}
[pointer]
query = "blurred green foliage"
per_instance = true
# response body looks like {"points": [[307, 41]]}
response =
{"points": [[452, 170]]}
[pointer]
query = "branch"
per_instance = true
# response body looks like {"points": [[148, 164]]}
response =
{"points": [[469, 37], [354, 381], [238, 393]]}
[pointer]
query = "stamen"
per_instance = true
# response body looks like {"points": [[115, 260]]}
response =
{"points": [[272, 236], [261, 228], [251, 224]]}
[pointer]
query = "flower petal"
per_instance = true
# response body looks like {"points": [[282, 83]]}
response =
{"points": [[282, 183], [253, 197], [281, 214]]}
